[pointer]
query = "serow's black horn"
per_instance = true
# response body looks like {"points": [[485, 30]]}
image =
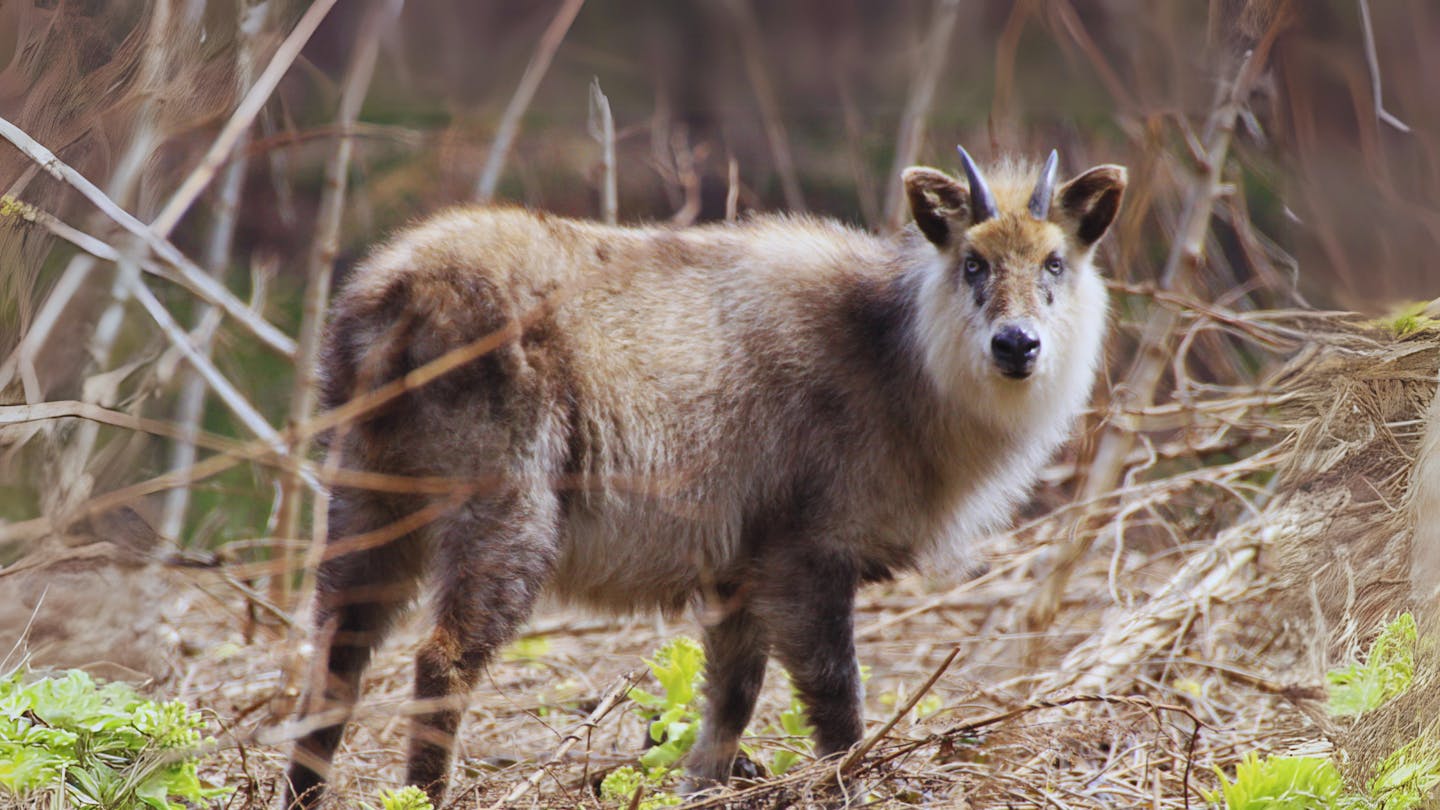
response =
{"points": [[982, 202], [1044, 188]]}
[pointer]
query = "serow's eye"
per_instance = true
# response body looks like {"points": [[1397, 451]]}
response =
{"points": [[974, 267], [1055, 265]]}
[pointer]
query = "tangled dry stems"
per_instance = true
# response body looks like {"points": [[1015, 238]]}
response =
{"points": [[1221, 586]]}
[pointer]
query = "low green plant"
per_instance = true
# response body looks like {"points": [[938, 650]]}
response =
{"points": [[1387, 671], [1402, 781], [406, 798], [621, 785], [1409, 319], [673, 724], [527, 650], [68, 741], [795, 730], [674, 719], [1405, 778], [1279, 783]]}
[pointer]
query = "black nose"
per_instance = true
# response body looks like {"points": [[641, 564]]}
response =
{"points": [[1015, 348]]}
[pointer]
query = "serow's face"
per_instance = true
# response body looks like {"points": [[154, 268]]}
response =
{"points": [[1014, 255]]}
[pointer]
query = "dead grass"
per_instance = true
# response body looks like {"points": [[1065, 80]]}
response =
{"points": [[1218, 591]]}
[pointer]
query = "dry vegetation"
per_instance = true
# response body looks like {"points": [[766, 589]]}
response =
{"points": [[1240, 512]]}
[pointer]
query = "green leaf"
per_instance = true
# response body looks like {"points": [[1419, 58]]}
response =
{"points": [[1279, 783], [85, 744], [678, 667], [1406, 777], [1387, 671], [406, 798]]}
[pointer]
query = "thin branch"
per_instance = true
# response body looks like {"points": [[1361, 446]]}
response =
{"points": [[617, 693], [231, 396], [77, 409], [917, 106], [190, 275], [602, 128], [858, 753], [732, 191], [749, 34], [70, 463], [240, 121], [190, 402], [524, 93], [1116, 442], [1373, 61], [322, 259]]}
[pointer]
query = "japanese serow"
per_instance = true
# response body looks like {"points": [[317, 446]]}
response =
{"points": [[755, 417]]}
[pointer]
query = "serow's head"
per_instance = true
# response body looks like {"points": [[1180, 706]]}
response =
{"points": [[1016, 252]]}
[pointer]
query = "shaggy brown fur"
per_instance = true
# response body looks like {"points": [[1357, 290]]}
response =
{"points": [[760, 415]]}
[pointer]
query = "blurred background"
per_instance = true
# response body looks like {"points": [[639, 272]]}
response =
{"points": [[1281, 154]]}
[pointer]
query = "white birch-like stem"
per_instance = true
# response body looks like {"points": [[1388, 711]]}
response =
{"points": [[190, 401], [524, 93], [318, 271]]}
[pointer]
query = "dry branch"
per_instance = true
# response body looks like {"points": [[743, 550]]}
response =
{"points": [[524, 93], [1153, 357], [190, 401], [602, 128], [917, 106], [857, 754], [247, 413], [319, 266], [70, 408], [748, 32], [240, 121], [612, 699], [1372, 60], [190, 275]]}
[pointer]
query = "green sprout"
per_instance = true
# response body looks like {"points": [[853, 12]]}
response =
{"points": [[68, 741], [1387, 671], [678, 666], [1279, 783], [406, 798]]}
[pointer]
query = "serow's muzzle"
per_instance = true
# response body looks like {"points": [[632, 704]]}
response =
{"points": [[1015, 348]]}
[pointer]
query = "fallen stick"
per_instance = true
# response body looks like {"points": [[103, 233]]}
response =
{"points": [[610, 701]]}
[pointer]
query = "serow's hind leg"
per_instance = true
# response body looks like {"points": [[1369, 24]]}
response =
{"points": [[491, 560], [360, 593]]}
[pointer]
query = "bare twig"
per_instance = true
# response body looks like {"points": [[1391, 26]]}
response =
{"points": [[322, 257], [732, 191], [71, 408], [858, 753], [917, 106], [1115, 443], [190, 401], [748, 32], [602, 128], [223, 388], [524, 93], [1373, 61], [239, 122], [71, 461], [612, 699], [687, 176], [190, 275]]}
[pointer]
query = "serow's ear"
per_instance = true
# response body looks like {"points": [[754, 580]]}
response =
{"points": [[1088, 203], [936, 201]]}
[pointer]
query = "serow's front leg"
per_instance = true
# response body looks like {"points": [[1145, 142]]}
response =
{"points": [[734, 672], [808, 610]]}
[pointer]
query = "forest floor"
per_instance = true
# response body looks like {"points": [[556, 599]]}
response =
{"points": [[1262, 546]]}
